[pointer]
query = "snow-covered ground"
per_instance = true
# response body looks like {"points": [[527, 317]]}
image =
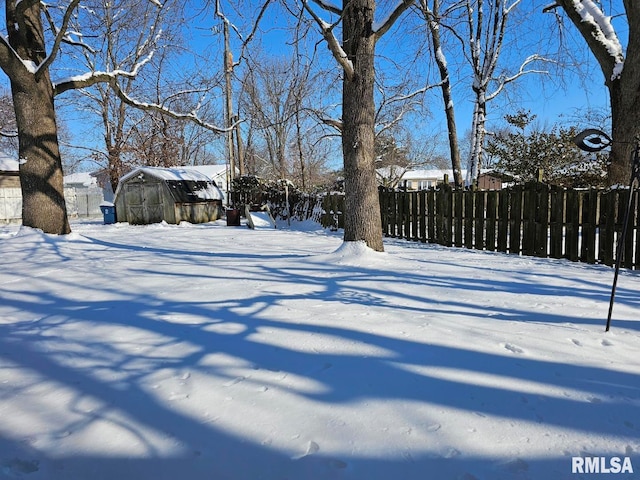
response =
{"points": [[211, 352]]}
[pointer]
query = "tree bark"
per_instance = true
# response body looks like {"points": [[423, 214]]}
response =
{"points": [[362, 206], [41, 177]]}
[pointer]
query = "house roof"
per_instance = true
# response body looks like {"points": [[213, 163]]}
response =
{"points": [[436, 174], [211, 171], [85, 179]]}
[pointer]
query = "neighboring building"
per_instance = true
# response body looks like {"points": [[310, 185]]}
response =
{"points": [[217, 173], [82, 195], [152, 194], [10, 193], [425, 179]]}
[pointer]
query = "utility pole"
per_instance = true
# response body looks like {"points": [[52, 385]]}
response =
{"points": [[228, 111]]}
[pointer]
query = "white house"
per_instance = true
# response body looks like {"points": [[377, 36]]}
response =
{"points": [[424, 179]]}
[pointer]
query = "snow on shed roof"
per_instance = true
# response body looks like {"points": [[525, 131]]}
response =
{"points": [[172, 174], [192, 182]]}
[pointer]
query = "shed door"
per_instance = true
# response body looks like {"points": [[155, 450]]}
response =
{"points": [[144, 203]]}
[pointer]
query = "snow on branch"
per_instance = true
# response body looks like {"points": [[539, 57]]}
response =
{"points": [[523, 70], [332, 42], [597, 30], [91, 78], [159, 108], [381, 27], [603, 32], [328, 6]]}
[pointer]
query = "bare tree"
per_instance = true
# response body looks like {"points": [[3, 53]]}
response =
{"points": [[486, 23], [276, 94], [128, 32], [433, 15], [356, 57], [620, 70], [26, 56]]}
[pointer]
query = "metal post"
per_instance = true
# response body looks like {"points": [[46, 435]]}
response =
{"points": [[633, 183]]}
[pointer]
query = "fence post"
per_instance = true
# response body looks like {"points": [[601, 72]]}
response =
{"points": [[627, 249], [541, 220], [384, 214], [414, 216], [431, 213]]}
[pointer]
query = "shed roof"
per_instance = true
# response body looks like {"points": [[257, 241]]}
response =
{"points": [[185, 184]]}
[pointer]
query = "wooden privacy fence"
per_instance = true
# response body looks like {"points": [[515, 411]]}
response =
{"points": [[534, 219]]}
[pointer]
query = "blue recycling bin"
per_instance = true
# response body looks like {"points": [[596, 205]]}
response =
{"points": [[108, 212]]}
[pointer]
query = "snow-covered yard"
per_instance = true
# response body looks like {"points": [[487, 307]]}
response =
{"points": [[210, 352]]}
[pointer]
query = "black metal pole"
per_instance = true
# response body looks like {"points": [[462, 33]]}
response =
{"points": [[635, 179]]}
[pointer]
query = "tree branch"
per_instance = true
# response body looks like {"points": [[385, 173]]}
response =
{"points": [[92, 78], [328, 6], [521, 72], [154, 107], [332, 42], [384, 26], [60, 34], [597, 31]]}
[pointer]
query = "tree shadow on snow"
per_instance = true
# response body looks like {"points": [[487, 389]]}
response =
{"points": [[140, 386]]}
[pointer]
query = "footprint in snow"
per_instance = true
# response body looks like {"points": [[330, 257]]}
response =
{"points": [[606, 343], [512, 348], [17, 467], [433, 427], [576, 342], [235, 381]]}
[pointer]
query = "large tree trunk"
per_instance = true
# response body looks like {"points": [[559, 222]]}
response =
{"points": [[362, 205], [41, 178], [624, 93], [625, 124]]}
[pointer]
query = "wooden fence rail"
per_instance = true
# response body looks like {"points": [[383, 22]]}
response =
{"points": [[533, 219]]}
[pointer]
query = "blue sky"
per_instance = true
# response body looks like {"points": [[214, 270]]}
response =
{"points": [[551, 100]]}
